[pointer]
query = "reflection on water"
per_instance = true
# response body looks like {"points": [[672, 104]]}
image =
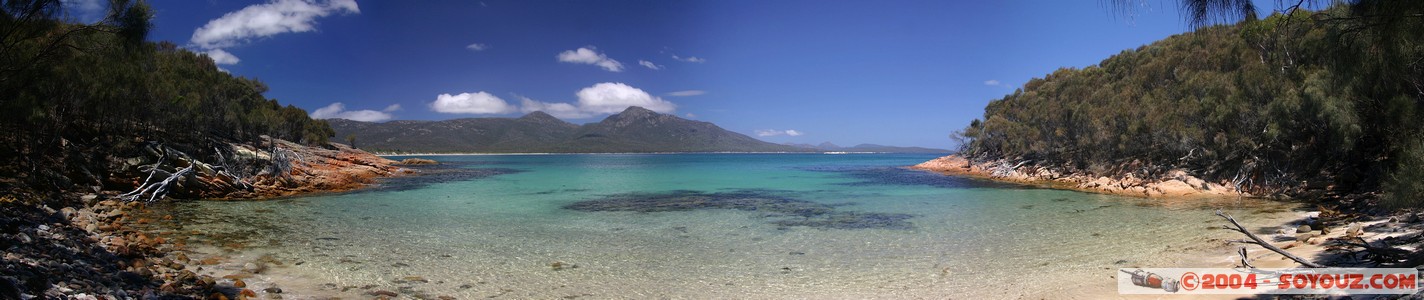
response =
{"points": [[704, 226]]}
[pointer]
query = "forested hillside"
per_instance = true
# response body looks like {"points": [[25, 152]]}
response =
{"points": [[1330, 98], [73, 97]]}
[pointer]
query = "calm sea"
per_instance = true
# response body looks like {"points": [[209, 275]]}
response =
{"points": [[705, 226]]}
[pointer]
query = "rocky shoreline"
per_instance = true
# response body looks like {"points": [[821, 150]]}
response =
{"points": [[105, 247], [1177, 183]]}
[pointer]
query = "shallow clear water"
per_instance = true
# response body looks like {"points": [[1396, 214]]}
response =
{"points": [[510, 235]]}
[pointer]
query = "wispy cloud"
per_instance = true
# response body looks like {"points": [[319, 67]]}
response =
{"points": [[691, 59], [590, 56], [393, 107], [471, 103], [477, 47], [222, 57], [994, 82], [774, 132], [690, 115], [263, 20], [650, 65], [338, 111], [687, 93]]}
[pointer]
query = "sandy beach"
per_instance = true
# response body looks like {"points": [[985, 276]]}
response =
{"points": [[1320, 244]]}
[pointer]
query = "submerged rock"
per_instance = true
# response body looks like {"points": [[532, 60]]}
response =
{"points": [[433, 174], [559, 265], [382, 293], [788, 211]]}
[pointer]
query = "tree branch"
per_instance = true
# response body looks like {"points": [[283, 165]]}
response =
{"points": [[1258, 241], [1244, 261]]}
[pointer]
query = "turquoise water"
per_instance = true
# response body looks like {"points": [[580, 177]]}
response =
{"points": [[807, 226]]}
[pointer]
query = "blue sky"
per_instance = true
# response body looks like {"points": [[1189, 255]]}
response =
{"points": [[887, 72]]}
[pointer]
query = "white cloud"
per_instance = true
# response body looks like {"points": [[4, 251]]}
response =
{"points": [[558, 110], [610, 97], [468, 103], [992, 82], [650, 65], [690, 115], [774, 132], [263, 20], [590, 56], [393, 107], [691, 59], [222, 57], [338, 111], [602, 98], [687, 93], [477, 47]]}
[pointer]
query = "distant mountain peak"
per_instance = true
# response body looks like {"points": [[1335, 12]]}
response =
{"points": [[828, 146], [541, 117], [538, 114], [637, 110], [635, 116]]}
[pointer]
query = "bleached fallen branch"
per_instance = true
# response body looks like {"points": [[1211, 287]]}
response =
{"points": [[157, 189], [151, 171], [1236, 226]]}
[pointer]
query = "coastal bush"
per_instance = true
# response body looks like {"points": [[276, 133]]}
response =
{"points": [[1330, 96], [72, 94], [1404, 189]]}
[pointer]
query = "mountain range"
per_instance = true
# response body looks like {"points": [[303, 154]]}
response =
{"points": [[635, 130], [829, 147]]}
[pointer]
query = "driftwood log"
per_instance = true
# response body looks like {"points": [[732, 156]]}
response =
{"points": [[1236, 226]]}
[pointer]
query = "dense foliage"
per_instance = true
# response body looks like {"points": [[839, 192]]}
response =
{"points": [[1320, 98], [72, 94]]}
